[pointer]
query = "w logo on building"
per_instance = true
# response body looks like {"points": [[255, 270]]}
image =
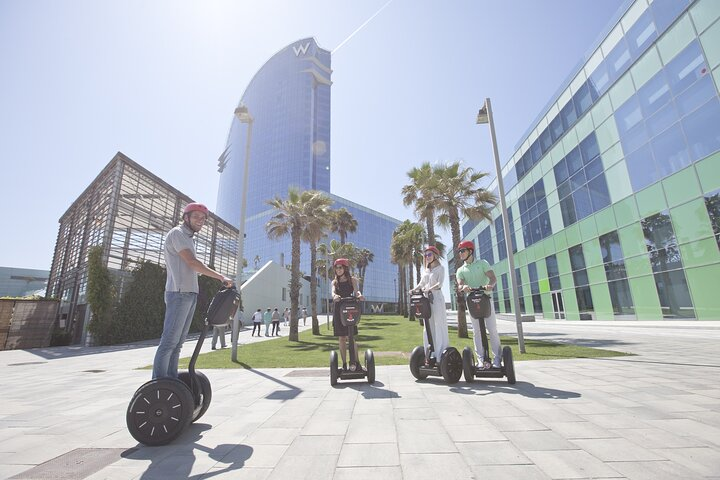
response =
{"points": [[298, 49]]}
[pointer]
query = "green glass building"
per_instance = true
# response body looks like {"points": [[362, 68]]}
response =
{"points": [[614, 192]]}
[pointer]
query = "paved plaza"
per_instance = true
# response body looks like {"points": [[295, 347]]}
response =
{"points": [[654, 415]]}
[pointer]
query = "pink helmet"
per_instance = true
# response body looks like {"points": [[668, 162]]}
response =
{"points": [[342, 261], [195, 207]]}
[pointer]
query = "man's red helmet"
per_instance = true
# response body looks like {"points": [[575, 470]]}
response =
{"points": [[466, 244], [195, 207], [433, 249], [342, 261]]}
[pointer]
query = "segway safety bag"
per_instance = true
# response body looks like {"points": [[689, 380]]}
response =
{"points": [[349, 312], [421, 305], [223, 306], [478, 303]]}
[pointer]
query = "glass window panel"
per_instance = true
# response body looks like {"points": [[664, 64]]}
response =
{"points": [[599, 194], [582, 100], [545, 140], [618, 60], [641, 34], [553, 272], [641, 168], [567, 208], [610, 248], [670, 151], [712, 203], [635, 138], [686, 68], [696, 95], [564, 189], [574, 161], [568, 115], [662, 119], [674, 294], [621, 297], [594, 169], [545, 226], [577, 180], [654, 94], [536, 154], [701, 130], [658, 231], [666, 11], [628, 115], [556, 128], [561, 172], [577, 259], [600, 79], [583, 206], [589, 148]]}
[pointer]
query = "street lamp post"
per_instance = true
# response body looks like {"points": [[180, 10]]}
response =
{"points": [[485, 116], [243, 116], [396, 294]]}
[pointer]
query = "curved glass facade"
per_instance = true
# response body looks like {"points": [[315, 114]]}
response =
{"points": [[289, 102], [616, 185]]}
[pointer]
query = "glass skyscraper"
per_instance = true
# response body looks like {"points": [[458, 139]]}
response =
{"points": [[614, 191], [289, 102]]}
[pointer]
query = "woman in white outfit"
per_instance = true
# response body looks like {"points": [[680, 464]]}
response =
{"points": [[432, 279]]}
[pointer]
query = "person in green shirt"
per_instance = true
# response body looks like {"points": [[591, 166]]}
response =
{"points": [[478, 274]]}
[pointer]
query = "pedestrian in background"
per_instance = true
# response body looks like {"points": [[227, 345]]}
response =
{"points": [[257, 319], [275, 323], [267, 319]]}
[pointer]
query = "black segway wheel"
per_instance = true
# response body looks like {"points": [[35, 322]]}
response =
{"points": [[508, 364], [417, 359], [202, 386], [370, 365], [333, 368], [451, 365], [468, 364], [159, 411]]}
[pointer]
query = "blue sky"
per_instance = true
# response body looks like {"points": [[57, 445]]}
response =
{"points": [[159, 80]]}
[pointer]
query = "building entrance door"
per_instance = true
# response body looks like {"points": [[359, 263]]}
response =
{"points": [[558, 306]]}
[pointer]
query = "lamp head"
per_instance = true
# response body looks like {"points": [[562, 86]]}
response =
{"points": [[243, 114], [482, 116]]}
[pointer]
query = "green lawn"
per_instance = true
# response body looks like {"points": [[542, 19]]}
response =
{"points": [[391, 337]]}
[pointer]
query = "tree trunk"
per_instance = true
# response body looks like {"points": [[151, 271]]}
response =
{"points": [[313, 289], [430, 226], [294, 282], [462, 320]]}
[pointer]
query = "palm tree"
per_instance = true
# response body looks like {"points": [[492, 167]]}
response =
{"points": [[457, 194], [406, 241], [317, 223], [366, 257], [290, 219], [343, 223], [420, 193]]}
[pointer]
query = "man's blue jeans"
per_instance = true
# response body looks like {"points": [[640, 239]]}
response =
{"points": [[179, 310]]}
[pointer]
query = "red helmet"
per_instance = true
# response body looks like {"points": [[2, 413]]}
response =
{"points": [[466, 244], [195, 207], [433, 249], [341, 261]]}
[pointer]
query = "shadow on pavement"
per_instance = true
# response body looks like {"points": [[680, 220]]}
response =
{"points": [[176, 459], [291, 390], [526, 389], [371, 392]]}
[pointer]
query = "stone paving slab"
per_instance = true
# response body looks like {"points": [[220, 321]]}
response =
{"points": [[633, 417]]}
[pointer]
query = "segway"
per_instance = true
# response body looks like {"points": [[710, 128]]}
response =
{"points": [[162, 408], [450, 366], [350, 317], [478, 303]]}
